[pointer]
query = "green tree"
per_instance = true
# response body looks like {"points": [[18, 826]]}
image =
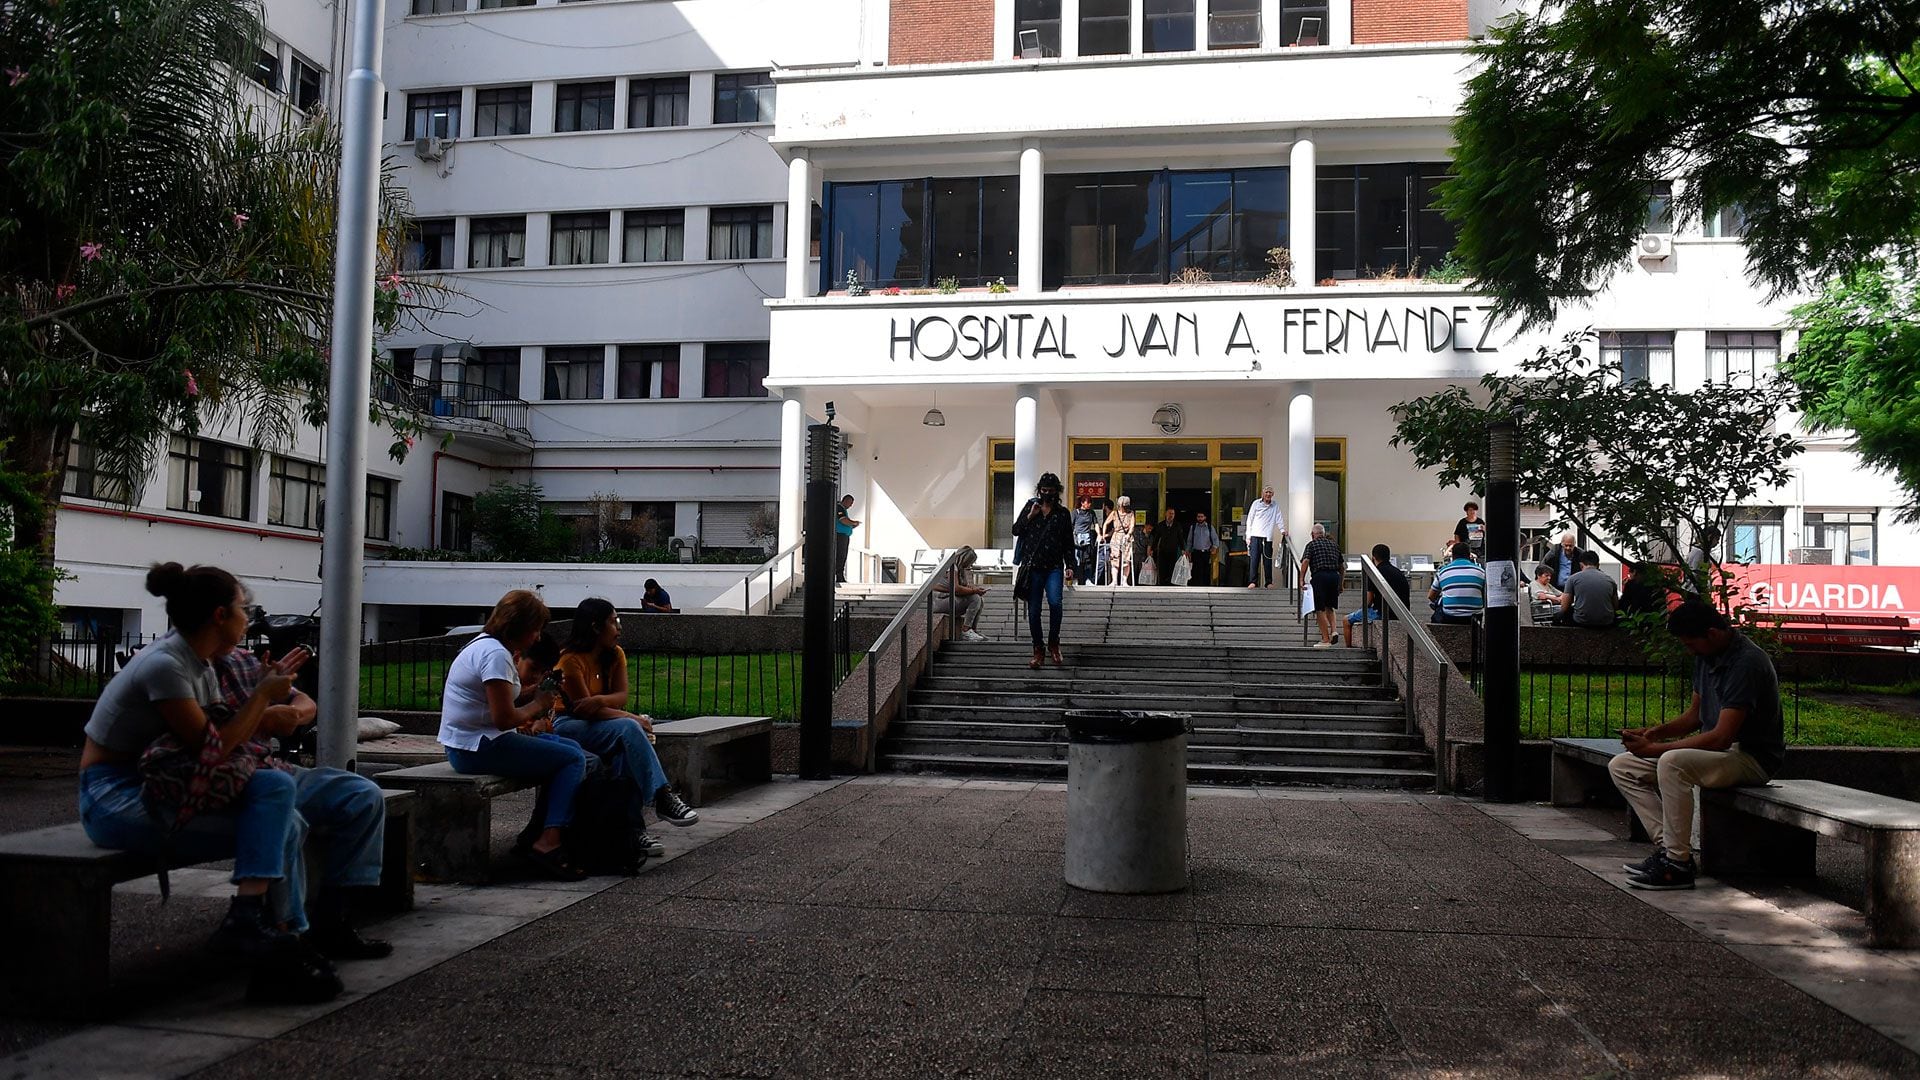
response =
{"points": [[1800, 112], [1623, 460], [513, 525], [166, 255], [27, 614]]}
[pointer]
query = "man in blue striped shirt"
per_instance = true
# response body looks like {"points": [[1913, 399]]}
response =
{"points": [[1459, 588]]}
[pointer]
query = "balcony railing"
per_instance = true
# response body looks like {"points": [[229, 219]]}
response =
{"points": [[448, 403]]}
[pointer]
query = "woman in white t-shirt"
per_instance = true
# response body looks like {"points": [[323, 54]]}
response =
{"points": [[481, 708]]}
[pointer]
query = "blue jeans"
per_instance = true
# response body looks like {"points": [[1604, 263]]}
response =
{"points": [[622, 743], [1047, 584], [1372, 616], [261, 831], [348, 813], [557, 763], [1259, 560]]}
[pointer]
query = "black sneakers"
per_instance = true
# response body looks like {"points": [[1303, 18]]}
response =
{"points": [[1644, 866], [249, 930], [297, 976], [649, 845], [673, 809], [1666, 874]]}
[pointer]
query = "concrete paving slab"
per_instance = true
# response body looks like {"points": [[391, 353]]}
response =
{"points": [[110, 1052]]}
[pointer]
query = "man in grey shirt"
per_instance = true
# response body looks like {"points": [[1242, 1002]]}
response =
{"points": [[1591, 597], [1730, 735]]}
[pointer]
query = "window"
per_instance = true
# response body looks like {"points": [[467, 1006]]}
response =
{"points": [[1105, 27], [437, 7], [86, 479], [1727, 222], [503, 110], [500, 241], [436, 115], [1105, 229], [265, 68], [1660, 207], [379, 508], [1756, 535], [1741, 354], [579, 239], [976, 229], [456, 522], [1036, 20], [653, 103], [497, 369], [1376, 219], [1642, 356], [649, 371], [1168, 26], [654, 236], [1233, 24], [487, 4], [738, 370], [293, 493], [306, 82], [205, 477], [879, 232], [1303, 22], [743, 99], [1849, 534], [740, 232], [1225, 222], [583, 106], [576, 373], [429, 245]]}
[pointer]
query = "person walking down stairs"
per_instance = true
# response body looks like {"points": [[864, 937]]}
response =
{"points": [[1046, 528]]}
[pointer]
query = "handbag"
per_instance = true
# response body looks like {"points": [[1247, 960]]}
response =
{"points": [[178, 782], [1022, 583]]}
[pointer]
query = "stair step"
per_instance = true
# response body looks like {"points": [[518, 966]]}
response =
{"points": [[1196, 774], [1387, 738]]}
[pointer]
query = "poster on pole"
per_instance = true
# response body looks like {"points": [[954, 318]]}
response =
{"points": [[1503, 584]]}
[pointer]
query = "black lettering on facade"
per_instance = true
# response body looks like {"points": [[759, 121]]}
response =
{"points": [[952, 338], [1460, 329], [1486, 329], [1383, 334], [895, 339], [1045, 340], [1437, 322], [1240, 337], [1189, 324]]}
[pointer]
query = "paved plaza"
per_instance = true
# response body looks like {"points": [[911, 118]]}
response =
{"points": [[902, 927]]}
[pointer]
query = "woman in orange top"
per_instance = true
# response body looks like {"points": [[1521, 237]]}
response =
{"points": [[594, 671]]}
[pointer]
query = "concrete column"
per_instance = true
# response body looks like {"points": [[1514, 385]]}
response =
{"points": [[1033, 165], [793, 442], [1300, 465], [1026, 443], [1303, 169], [799, 224]]}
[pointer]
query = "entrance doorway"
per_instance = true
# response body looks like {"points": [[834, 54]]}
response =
{"points": [[1218, 477]]}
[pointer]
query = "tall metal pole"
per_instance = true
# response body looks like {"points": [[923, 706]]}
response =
{"points": [[816, 649], [348, 392], [1501, 695]]}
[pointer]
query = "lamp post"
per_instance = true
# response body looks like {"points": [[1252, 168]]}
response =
{"points": [[349, 388], [816, 650], [1501, 689]]}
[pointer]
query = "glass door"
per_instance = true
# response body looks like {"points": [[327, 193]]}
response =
{"points": [[1233, 493]]}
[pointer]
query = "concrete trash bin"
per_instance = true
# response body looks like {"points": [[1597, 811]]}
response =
{"points": [[1126, 801]]}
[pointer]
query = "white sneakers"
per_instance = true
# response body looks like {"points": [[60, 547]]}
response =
{"points": [[972, 635]]}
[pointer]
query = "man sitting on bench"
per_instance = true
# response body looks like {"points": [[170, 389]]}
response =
{"points": [[1729, 736]]}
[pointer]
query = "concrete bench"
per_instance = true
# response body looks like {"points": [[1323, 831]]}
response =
{"points": [[732, 749], [454, 818], [1580, 774], [1771, 830], [56, 890]]}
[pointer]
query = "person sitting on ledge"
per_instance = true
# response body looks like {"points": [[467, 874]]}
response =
{"points": [[1729, 736], [1590, 598], [1459, 591], [655, 600]]}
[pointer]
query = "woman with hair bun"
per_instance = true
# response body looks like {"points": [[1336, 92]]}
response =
{"points": [[167, 688]]}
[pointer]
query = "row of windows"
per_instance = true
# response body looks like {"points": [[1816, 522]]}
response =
{"points": [[740, 98], [1647, 356], [579, 372], [300, 81], [733, 232], [215, 479], [1105, 27], [1759, 534]]}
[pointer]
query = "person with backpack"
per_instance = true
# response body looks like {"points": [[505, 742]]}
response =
{"points": [[593, 671], [165, 705]]}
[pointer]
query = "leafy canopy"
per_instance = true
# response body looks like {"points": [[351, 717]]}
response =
{"points": [[1800, 112]]}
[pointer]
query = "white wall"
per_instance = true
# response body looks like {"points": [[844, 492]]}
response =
{"points": [[562, 585]]}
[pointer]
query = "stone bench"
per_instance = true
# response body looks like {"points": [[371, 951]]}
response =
{"points": [[730, 749], [1580, 773], [56, 892], [454, 818]]}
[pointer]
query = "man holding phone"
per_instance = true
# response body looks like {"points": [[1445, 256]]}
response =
{"points": [[1730, 735]]}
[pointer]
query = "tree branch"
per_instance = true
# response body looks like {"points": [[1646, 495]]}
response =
{"points": [[60, 315]]}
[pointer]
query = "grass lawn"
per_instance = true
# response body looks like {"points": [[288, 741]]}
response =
{"points": [[663, 685], [1598, 704]]}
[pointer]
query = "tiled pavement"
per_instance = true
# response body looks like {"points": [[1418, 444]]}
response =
{"points": [[918, 928]]}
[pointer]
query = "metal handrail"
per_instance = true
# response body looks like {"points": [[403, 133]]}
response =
{"points": [[791, 554], [1420, 641], [895, 627]]}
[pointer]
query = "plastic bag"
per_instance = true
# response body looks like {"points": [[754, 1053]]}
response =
{"points": [[1182, 570]]}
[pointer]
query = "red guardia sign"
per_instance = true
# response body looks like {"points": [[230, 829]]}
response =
{"points": [[1830, 590]]}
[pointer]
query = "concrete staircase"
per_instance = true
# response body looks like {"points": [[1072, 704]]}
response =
{"points": [[1266, 708]]}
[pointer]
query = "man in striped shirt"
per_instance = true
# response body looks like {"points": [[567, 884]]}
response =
{"points": [[1459, 588]]}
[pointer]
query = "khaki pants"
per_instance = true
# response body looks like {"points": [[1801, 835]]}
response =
{"points": [[1661, 789]]}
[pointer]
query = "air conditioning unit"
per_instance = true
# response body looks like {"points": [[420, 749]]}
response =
{"points": [[688, 547], [1654, 247], [431, 148]]}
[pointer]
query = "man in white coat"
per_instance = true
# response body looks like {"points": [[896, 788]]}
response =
{"points": [[1264, 526]]}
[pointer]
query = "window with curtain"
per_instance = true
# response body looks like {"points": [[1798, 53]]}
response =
{"points": [[1106, 27], [745, 98], [429, 244], [737, 370], [206, 477], [1756, 535], [1036, 20], [1105, 229], [1373, 220], [1741, 354], [583, 106], [575, 373], [438, 7], [654, 235], [496, 368], [1167, 26], [85, 478], [649, 371], [1233, 24], [1849, 534], [740, 232], [293, 493], [434, 114], [579, 239], [503, 110], [498, 241], [1643, 356], [653, 103]]}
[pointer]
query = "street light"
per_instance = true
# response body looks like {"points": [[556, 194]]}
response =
{"points": [[1501, 689]]}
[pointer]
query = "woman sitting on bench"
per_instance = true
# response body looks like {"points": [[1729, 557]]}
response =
{"points": [[594, 669], [481, 709], [169, 688]]}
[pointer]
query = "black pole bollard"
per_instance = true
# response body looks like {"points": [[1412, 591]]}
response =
{"points": [[1501, 651], [816, 654]]}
